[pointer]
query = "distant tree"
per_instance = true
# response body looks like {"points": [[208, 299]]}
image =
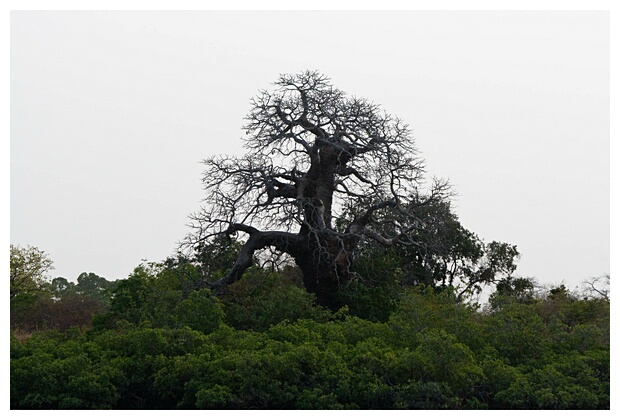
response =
{"points": [[513, 290], [90, 284], [72, 310], [60, 286], [61, 304], [128, 299], [29, 267], [596, 287], [162, 295], [325, 175]]}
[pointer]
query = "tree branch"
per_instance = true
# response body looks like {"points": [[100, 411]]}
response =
{"points": [[360, 222], [283, 241]]}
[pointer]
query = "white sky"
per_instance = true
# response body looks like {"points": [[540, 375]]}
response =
{"points": [[111, 113]]}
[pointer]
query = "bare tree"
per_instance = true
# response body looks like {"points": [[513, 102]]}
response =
{"points": [[324, 174], [596, 287]]}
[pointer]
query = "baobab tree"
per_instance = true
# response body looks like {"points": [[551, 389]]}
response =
{"points": [[324, 175]]}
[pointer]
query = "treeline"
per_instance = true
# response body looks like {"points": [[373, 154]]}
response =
{"points": [[157, 341]]}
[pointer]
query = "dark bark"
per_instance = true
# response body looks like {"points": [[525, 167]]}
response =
{"points": [[326, 265]]}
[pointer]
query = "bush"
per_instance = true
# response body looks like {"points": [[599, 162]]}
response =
{"points": [[283, 352], [261, 300]]}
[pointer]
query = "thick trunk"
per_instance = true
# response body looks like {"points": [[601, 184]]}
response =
{"points": [[318, 188], [326, 260], [325, 266], [322, 281]]}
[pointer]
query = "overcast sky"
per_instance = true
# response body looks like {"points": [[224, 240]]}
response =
{"points": [[112, 112]]}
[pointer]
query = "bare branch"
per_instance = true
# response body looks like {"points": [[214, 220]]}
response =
{"points": [[323, 173]]}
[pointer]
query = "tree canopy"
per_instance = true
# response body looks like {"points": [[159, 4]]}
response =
{"points": [[29, 267]]}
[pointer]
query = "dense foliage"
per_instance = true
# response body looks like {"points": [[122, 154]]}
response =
{"points": [[328, 207], [160, 343]]}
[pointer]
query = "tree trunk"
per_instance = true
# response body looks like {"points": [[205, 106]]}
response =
{"points": [[325, 266]]}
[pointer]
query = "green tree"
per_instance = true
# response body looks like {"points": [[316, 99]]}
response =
{"points": [[513, 290], [29, 267], [160, 294], [60, 286], [90, 284]]}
